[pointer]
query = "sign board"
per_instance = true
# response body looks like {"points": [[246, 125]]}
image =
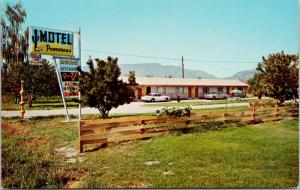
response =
{"points": [[50, 42], [70, 89], [69, 64], [69, 76]]}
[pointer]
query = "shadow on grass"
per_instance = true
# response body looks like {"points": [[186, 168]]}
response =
{"points": [[209, 126], [93, 148]]}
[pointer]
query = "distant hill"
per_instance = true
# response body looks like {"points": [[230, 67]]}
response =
{"points": [[243, 75], [158, 70]]}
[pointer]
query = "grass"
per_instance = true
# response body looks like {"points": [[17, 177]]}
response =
{"points": [[198, 103], [28, 156], [260, 156], [230, 108], [39, 106], [264, 156]]}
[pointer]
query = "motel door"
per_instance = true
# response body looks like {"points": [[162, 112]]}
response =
{"points": [[190, 92], [196, 92], [148, 90], [139, 94]]}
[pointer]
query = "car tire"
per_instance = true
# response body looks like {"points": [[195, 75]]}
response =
{"points": [[166, 100], [152, 100]]}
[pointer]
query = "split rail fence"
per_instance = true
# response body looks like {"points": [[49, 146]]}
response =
{"points": [[132, 128]]}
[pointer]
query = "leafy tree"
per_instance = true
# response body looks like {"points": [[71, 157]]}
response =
{"points": [[14, 45], [38, 79], [277, 77], [42, 81], [14, 48], [257, 87], [101, 87], [132, 79]]}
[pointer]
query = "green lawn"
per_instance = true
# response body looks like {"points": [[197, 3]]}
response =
{"points": [[39, 106], [260, 156], [193, 103]]}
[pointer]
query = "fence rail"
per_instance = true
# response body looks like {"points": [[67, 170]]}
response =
{"points": [[126, 129]]}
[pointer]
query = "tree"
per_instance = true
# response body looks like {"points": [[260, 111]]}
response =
{"points": [[42, 81], [38, 79], [132, 79], [14, 45], [132, 82], [101, 87], [277, 77], [14, 50], [257, 87]]}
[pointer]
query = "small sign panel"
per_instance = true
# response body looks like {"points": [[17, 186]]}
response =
{"points": [[69, 76], [35, 59], [68, 64], [70, 89]]}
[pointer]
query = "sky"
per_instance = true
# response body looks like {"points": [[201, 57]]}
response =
{"points": [[220, 37]]}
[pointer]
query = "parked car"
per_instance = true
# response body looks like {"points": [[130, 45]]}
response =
{"points": [[238, 93], [155, 97], [216, 95]]}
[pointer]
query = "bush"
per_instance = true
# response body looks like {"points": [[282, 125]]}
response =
{"points": [[174, 112]]}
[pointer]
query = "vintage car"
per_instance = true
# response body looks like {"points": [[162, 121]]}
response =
{"points": [[238, 94], [216, 95], [155, 97]]}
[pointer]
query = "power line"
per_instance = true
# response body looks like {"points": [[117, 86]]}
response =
{"points": [[167, 58], [131, 55]]}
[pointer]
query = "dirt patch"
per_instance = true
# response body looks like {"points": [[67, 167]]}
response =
{"points": [[14, 129], [134, 184], [71, 154], [32, 142], [76, 182]]}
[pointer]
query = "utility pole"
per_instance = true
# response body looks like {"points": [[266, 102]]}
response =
{"points": [[182, 66]]}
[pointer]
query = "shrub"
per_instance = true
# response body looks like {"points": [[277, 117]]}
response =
{"points": [[174, 112]]}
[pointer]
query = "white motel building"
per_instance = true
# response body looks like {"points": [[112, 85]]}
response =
{"points": [[185, 88]]}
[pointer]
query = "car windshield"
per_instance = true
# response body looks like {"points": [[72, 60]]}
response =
{"points": [[153, 94]]}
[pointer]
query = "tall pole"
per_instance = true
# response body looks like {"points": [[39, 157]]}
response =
{"points": [[22, 111], [182, 66], [1, 63], [61, 89], [79, 55]]}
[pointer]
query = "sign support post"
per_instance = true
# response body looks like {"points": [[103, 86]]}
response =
{"points": [[61, 90], [79, 55]]}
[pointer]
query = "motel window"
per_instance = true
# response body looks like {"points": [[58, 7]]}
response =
{"points": [[241, 89], [220, 89], [206, 89], [179, 90], [164, 90]]}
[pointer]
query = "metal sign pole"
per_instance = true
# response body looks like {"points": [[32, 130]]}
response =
{"points": [[61, 89], [79, 55]]}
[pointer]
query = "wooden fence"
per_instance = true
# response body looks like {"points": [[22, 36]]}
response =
{"points": [[144, 127]]}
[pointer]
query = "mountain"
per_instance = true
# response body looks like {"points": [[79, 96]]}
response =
{"points": [[243, 75], [158, 70]]}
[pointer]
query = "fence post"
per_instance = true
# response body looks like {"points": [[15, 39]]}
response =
{"points": [[276, 112], [224, 114], [253, 113], [79, 137]]}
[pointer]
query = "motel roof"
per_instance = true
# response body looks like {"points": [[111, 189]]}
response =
{"points": [[160, 81]]}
